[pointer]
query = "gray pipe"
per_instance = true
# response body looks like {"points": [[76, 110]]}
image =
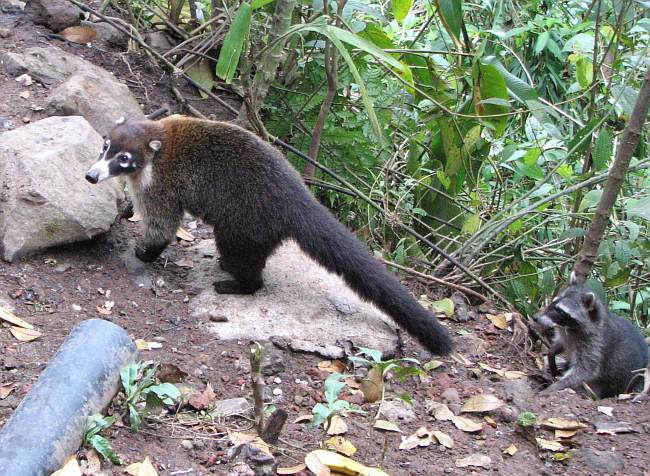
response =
{"points": [[81, 379]]}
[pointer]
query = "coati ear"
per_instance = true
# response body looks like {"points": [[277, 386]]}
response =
{"points": [[155, 145], [573, 279], [589, 301]]}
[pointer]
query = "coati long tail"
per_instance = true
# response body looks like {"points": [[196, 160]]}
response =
{"points": [[334, 247]]}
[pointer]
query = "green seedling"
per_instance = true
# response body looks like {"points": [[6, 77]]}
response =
{"points": [[332, 406], [92, 438], [527, 419]]}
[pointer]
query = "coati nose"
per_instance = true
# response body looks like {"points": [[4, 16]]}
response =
{"points": [[92, 177]]}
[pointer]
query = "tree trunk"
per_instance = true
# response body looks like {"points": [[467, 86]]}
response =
{"points": [[631, 134]]}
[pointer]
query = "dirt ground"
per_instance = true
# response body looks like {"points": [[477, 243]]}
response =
{"points": [[60, 288]]}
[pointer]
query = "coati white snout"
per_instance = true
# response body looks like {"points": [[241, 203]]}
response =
{"points": [[252, 196], [603, 350]]}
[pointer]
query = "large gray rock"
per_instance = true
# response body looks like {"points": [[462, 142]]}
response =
{"points": [[45, 200], [84, 90], [54, 14], [299, 303]]}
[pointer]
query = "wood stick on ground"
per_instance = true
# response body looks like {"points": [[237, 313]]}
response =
{"points": [[274, 425], [257, 382]]}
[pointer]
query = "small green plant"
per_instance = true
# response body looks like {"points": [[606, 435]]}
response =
{"points": [[92, 438], [142, 393], [527, 419], [333, 406], [378, 369]]}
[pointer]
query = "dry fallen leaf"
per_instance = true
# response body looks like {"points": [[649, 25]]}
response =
{"points": [[336, 426], [467, 425], [24, 335], [490, 421], [340, 444], [562, 424], [510, 450], [320, 462], [303, 418], [372, 385], [481, 403], [145, 468], [565, 434], [79, 34], [461, 359], [422, 437], [69, 468], [606, 410], [509, 374], [386, 425], [142, 344], [443, 438], [239, 438], [500, 321], [184, 235], [292, 469], [481, 461], [170, 373], [103, 311], [6, 389], [332, 366], [203, 400], [25, 94], [94, 465], [11, 318], [612, 428], [549, 445], [440, 411]]}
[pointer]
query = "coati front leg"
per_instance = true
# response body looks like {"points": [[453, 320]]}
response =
{"points": [[159, 230], [244, 260]]}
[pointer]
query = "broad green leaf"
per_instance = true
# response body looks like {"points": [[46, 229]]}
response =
{"points": [[471, 224], [333, 386], [359, 42], [374, 354], [128, 375], [443, 178], [445, 306], [638, 208], [451, 14], [540, 44], [584, 72], [496, 102], [376, 35], [259, 3], [164, 390], [581, 139], [532, 155], [401, 8], [233, 43], [519, 88], [103, 447], [532, 171], [603, 149], [624, 99], [201, 72], [580, 43], [492, 84], [451, 145], [590, 200]]}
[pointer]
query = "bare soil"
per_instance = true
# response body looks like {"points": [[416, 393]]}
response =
{"points": [[60, 288]]}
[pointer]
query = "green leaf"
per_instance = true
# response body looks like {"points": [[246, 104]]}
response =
{"points": [[444, 178], [333, 386], [374, 354], [401, 8], [590, 200], [584, 72], [519, 88], [376, 35], [451, 145], [233, 43], [638, 208], [201, 72], [492, 84], [134, 417], [582, 138], [580, 43], [471, 224], [445, 306], [540, 44], [103, 447], [128, 375], [321, 413], [603, 149], [359, 42], [259, 3], [165, 390], [451, 14]]}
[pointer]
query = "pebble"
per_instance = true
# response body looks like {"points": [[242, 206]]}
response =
{"points": [[187, 444], [216, 316], [277, 391], [450, 395], [5, 32], [298, 400], [277, 380], [76, 307]]}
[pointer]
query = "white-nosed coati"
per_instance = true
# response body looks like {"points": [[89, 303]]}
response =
{"points": [[603, 350], [248, 191]]}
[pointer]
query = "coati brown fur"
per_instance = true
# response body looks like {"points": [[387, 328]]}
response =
{"points": [[255, 200], [603, 350]]}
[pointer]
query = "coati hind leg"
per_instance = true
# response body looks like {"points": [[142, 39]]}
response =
{"points": [[242, 259], [159, 230]]}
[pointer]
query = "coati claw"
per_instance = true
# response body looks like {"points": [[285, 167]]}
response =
{"points": [[147, 255]]}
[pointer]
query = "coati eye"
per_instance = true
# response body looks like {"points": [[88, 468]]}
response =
{"points": [[125, 157]]}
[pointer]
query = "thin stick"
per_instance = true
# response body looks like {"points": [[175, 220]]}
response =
{"points": [[257, 382]]}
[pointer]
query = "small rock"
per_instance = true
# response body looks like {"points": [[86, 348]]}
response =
{"points": [[198, 444], [520, 393], [5, 32], [450, 395], [298, 400], [262, 463], [76, 307], [187, 444], [277, 392], [230, 406], [394, 410], [272, 360], [277, 380], [57, 15], [159, 41], [107, 33], [602, 462], [216, 316], [342, 305], [461, 311], [62, 268]]}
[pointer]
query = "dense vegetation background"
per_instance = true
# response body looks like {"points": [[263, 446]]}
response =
{"points": [[482, 128]]}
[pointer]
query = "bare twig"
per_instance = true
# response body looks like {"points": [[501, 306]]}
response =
{"points": [[257, 382]]}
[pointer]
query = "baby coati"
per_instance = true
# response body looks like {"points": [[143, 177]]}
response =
{"points": [[602, 349], [252, 196]]}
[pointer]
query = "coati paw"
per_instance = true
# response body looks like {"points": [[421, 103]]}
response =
{"points": [[230, 286], [146, 254]]}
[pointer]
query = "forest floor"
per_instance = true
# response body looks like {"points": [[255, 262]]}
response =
{"points": [[60, 288]]}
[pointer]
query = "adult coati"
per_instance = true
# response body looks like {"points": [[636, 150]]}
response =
{"points": [[602, 349], [248, 191]]}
